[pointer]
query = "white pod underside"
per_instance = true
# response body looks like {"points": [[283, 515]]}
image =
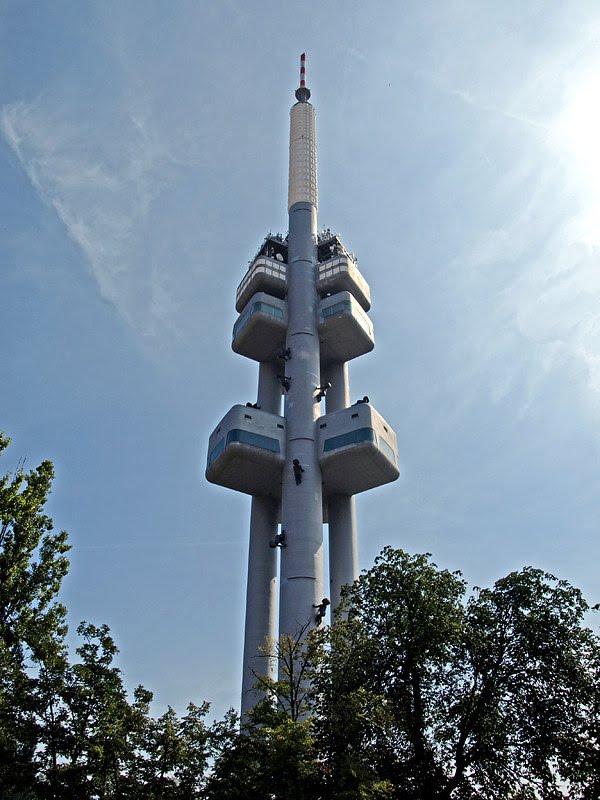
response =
{"points": [[302, 186]]}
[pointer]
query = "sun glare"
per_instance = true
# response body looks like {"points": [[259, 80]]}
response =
{"points": [[578, 133], [579, 127]]}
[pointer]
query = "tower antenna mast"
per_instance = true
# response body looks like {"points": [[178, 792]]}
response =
{"points": [[303, 92]]}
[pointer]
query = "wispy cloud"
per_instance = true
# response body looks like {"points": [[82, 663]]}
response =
{"points": [[527, 286], [101, 181], [359, 55], [469, 98], [535, 316]]}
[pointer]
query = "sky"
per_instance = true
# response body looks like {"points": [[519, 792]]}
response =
{"points": [[143, 158]]}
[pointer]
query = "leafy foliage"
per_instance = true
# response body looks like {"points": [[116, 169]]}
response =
{"points": [[273, 756], [492, 696], [32, 623], [419, 690], [68, 730]]}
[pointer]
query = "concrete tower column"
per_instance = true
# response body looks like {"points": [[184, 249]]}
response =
{"points": [[301, 506], [269, 389], [343, 536], [338, 396], [302, 514], [261, 593]]}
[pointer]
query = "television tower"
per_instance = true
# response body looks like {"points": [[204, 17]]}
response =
{"points": [[302, 316]]}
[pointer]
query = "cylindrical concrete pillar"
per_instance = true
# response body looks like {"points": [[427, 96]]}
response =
{"points": [[301, 491], [261, 600], [338, 396], [261, 593], [269, 389], [301, 508], [341, 509], [343, 545]]}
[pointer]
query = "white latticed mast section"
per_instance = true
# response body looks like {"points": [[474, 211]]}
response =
{"points": [[302, 186]]}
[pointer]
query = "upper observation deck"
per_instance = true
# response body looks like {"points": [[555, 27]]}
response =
{"points": [[246, 452], [266, 273], [341, 274], [338, 270], [358, 450]]}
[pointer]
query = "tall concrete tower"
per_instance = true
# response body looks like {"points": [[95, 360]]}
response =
{"points": [[302, 308]]}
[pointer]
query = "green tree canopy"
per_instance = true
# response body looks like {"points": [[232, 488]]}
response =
{"points": [[33, 563], [419, 690], [68, 730], [443, 696]]}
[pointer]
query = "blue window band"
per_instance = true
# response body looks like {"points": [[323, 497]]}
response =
{"points": [[216, 451], [352, 437], [385, 448], [266, 308], [253, 439], [345, 307]]}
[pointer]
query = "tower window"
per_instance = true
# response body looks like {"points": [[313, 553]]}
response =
{"points": [[216, 451], [344, 306], [253, 439], [352, 437], [385, 448], [265, 308]]}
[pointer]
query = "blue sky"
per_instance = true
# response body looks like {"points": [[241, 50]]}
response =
{"points": [[143, 156]]}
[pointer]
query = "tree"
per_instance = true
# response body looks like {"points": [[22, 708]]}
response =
{"points": [[100, 730], [296, 658], [32, 622], [418, 691], [68, 730], [174, 755], [273, 756], [197, 742], [439, 696]]}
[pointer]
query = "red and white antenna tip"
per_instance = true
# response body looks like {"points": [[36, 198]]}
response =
{"points": [[303, 92]]}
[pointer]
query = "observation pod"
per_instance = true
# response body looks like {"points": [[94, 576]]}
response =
{"points": [[264, 275], [358, 450], [341, 274], [260, 330], [345, 330], [246, 452]]}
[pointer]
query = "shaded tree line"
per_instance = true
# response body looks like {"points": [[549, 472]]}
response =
{"points": [[420, 690], [67, 727]]}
